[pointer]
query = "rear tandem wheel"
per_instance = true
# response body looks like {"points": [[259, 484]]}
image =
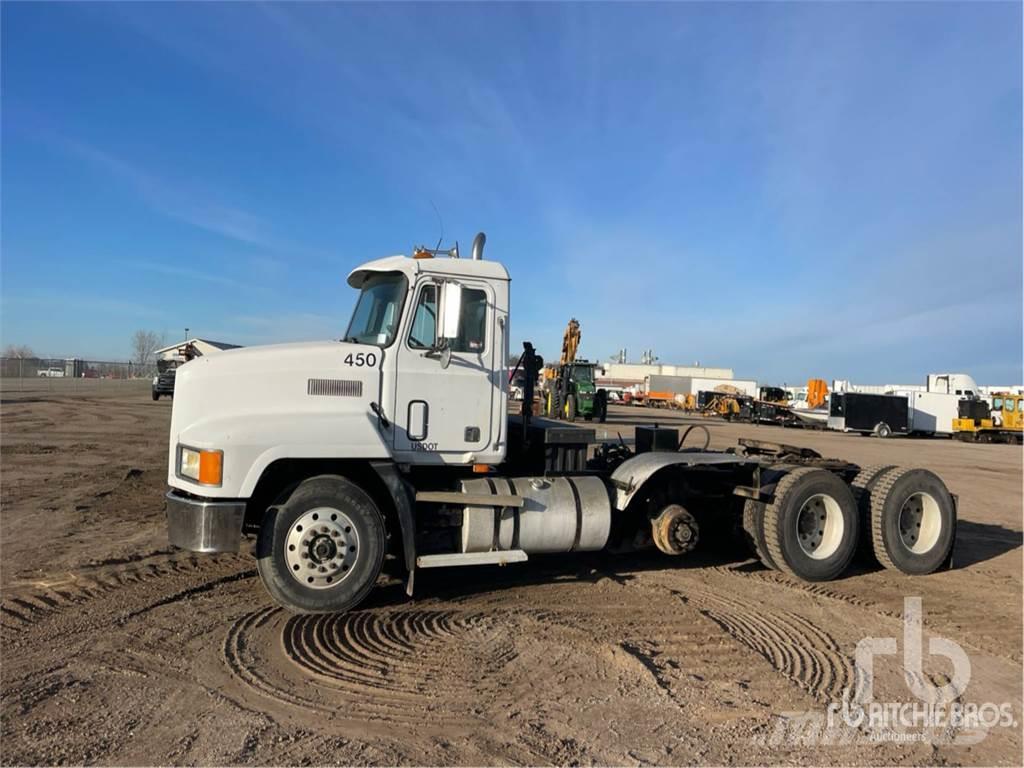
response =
{"points": [[811, 525]]}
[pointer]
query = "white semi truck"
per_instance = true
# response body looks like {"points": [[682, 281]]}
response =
{"points": [[396, 442]]}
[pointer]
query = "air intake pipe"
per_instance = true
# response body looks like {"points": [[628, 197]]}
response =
{"points": [[478, 246]]}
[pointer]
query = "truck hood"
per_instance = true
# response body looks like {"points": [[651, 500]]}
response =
{"points": [[302, 399], [272, 375]]}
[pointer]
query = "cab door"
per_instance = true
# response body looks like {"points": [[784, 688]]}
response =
{"points": [[442, 413]]}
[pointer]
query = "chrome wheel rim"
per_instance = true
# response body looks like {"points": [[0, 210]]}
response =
{"points": [[920, 523], [820, 526], [321, 548]]}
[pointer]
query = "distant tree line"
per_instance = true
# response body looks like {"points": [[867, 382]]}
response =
{"points": [[21, 359]]}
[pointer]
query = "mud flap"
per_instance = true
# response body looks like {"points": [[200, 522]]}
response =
{"points": [[402, 496]]}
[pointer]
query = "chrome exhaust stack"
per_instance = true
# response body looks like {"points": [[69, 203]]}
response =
{"points": [[478, 246]]}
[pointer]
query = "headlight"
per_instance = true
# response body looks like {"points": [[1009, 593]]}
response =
{"points": [[156, 379], [203, 467]]}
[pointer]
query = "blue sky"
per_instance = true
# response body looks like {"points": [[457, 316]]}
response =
{"points": [[789, 189]]}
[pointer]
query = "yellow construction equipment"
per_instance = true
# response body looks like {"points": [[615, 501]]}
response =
{"points": [[570, 342], [722, 405], [570, 345], [727, 401], [1003, 422]]}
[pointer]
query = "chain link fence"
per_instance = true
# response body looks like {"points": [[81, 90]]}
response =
{"points": [[20, 373]]}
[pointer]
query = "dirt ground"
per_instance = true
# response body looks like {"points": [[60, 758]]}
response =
{"points": [[117, 649]]}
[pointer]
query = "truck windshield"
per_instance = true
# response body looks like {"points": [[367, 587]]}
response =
{"points": [[375, 318]]}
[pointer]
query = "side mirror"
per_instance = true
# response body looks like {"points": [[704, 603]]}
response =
{"points": [[446, 357], [451, 308]]}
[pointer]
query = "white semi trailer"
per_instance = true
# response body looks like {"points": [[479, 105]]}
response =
{"points": [[396, 441]]}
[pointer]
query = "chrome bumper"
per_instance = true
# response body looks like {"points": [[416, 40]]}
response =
{"points": [[204, 526]]}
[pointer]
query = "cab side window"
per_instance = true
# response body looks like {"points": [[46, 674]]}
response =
{"points": [[423, 333], [472, 322], [1009, 405]]}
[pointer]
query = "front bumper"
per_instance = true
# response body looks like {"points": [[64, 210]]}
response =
{"points": [[201, 525]]}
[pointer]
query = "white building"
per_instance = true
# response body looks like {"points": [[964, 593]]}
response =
{"points": [[200, 346], [634, 374]]}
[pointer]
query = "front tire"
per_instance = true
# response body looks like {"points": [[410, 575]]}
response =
{"points": [[156, 396], [570, 408], [883, 430], [321, 550]]}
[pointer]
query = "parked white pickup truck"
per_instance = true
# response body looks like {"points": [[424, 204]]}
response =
{"points": [[396, 441]]}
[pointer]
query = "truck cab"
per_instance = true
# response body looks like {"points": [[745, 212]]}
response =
{"points": [[417, 379], [435, 329]]}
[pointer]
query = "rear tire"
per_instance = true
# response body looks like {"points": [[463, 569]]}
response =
{"points": [[320, 551], [882, 430], [811, 526], [913, 521], [863, 486], [753, 530]]}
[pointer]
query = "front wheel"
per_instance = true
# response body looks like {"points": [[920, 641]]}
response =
{"points": [[156, 395], [320, 551], [570, 408]]}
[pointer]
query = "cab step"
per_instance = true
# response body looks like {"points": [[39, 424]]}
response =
{"points": [[471, 558]]}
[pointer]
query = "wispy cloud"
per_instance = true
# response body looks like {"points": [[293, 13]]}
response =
{"points": [[183, 203], [279, 327], [187, 274], [84, 303]]}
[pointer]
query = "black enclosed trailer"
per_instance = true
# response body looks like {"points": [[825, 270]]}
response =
{"points": [[881, 415]]}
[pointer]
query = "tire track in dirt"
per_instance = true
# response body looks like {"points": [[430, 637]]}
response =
{"points": [[389, 666], [795, 647], [189, 593], [28, 603], [981, 643]]}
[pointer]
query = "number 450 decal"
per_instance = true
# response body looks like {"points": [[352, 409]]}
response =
{"points": [[361, 359]]}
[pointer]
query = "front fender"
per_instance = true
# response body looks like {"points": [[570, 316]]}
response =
{"points": [[252, 443]]}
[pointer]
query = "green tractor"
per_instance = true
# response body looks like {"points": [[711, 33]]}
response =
{"points": [[572, 392]]}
